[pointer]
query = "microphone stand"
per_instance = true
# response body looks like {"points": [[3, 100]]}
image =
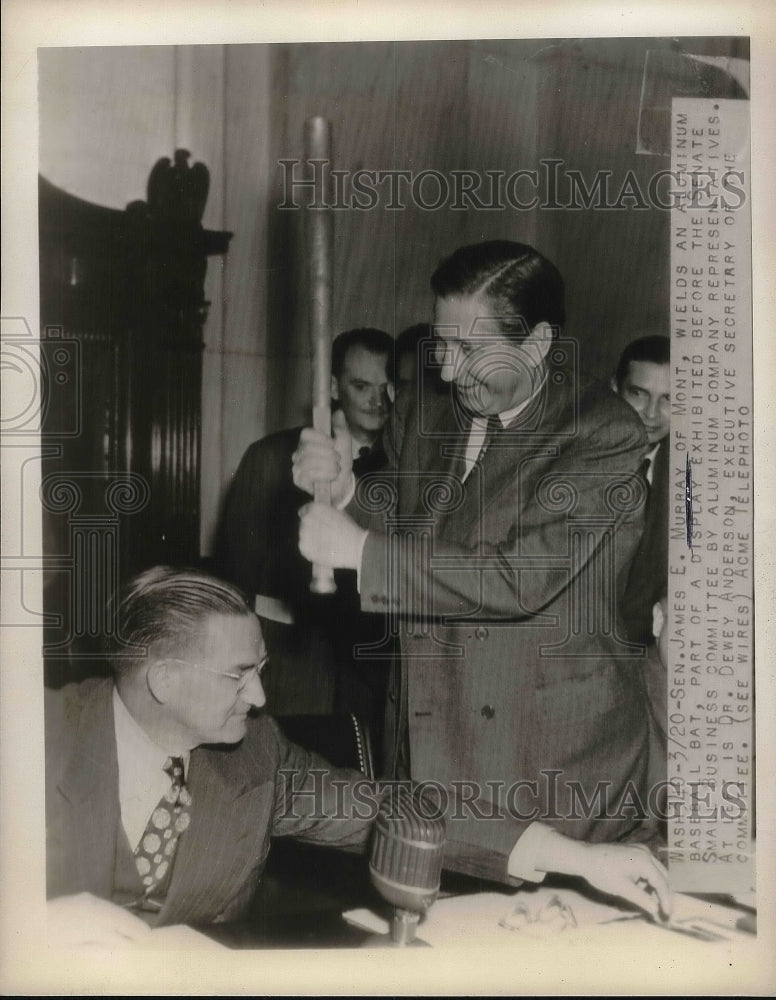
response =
{"points": [[406, 863]]}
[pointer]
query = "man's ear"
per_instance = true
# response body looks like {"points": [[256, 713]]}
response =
{"points": [[158, 680], [334, 387], [613, 384], [539, 340]]}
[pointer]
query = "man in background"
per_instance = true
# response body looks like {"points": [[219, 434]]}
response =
{"points": [[643, 380], [311, 638]]}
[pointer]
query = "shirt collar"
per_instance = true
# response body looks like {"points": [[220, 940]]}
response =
{"points": [[507, 416], [138, 755]]}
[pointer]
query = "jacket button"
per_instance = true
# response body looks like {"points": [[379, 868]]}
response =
{"points": [[481, 632], [487, 711]]}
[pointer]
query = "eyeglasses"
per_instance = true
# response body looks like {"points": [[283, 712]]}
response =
{"points": [[242, 677]]}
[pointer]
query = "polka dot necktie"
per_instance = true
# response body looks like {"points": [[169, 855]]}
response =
{"points": [[155, 853]]}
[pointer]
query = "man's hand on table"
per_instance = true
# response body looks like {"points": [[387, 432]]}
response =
{"points": [[84, 919], [626, 870]]}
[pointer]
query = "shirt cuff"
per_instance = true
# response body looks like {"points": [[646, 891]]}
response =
{"points": [[521, 863], [658, 619], [349, 495]]}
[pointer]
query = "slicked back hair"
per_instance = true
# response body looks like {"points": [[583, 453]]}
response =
{"points": [[655, 348], [164, 609], [521, 286], [371, 339]]}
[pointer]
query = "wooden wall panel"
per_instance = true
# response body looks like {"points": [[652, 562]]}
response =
{"points": [[235, 381], [430, 136], [614, 261], [353, 88], [200, 127], [433, 106], [502, 131]]}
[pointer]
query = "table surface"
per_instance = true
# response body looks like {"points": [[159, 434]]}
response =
{"points": [[306, 889], [304, 892]]}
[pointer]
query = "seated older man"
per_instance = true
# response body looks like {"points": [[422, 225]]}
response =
{"points": [[164, 787]]}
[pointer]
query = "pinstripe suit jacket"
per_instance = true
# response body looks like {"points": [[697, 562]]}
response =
{"points": [[239, 802], [513, 660]]}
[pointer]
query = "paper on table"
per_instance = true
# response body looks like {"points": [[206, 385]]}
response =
{"points": [[479, 914], [481, 917], [471, 917]]}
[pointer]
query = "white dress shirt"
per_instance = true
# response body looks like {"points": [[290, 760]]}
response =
{"points": [[479, 429], [142, 779]]}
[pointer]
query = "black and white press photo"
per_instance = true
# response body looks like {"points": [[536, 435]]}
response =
{"points": [[381, 458]]}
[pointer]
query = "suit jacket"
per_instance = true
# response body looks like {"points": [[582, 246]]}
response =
{"points": [[239, 801], [513, 662], [313, 668], [258, 538], [257, 545], [648, 577]]}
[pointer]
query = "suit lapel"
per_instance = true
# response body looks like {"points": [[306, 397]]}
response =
{"points": [[654, 539], [493, 480], [90, 787], [439, 454], [660, 473], [228, 815], [428, 449]]}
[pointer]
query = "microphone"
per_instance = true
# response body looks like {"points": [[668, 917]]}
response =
{"points": [[406, 860]]}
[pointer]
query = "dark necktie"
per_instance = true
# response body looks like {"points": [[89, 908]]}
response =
{"points": [[493, 426], [155, 853], [362, 461]]}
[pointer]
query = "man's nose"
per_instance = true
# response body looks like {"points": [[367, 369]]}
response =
{"points": [[253, 692], [651, 409]]}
